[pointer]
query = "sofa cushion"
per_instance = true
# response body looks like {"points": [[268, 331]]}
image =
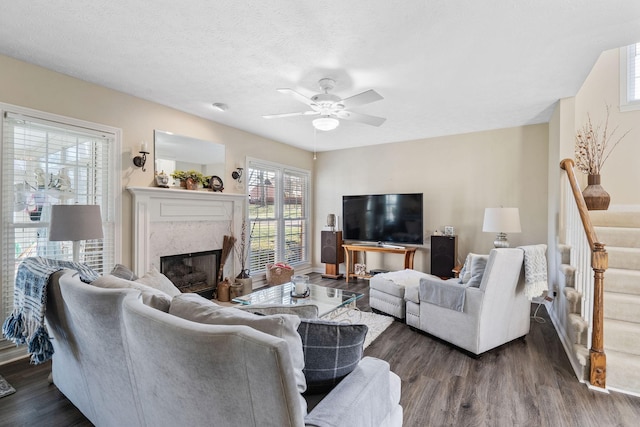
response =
{"points": [[396, 282], [123, 272], [331, 351], [150, 296], [159, 281], [198, 309]]}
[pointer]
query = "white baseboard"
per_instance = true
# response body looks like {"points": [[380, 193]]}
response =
{"points": [[566, 343]]}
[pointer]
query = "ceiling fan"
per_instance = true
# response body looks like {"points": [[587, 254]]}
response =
{"points": [[331, 107]]}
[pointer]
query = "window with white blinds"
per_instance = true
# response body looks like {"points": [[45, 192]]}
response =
{"points": [[279, 214], [45, 163], [630, 77]]}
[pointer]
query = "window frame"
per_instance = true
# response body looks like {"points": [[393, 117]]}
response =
{"points": [[281, 170], [627, 69], [112, 175]]}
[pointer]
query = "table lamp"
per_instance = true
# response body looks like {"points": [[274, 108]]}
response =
{"points": [[75, 223], [501, 221]]}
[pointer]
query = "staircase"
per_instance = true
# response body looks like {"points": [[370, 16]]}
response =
{"points": [[620, 231]]}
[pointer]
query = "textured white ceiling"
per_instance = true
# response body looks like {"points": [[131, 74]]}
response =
{"points": [[443, 67]]}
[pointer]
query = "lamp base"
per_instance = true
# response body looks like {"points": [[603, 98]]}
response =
{"points": [[501, 241]]}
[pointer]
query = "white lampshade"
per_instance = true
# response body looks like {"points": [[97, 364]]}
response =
{"points": [[326, 123], [501, 221], [75, 223]]}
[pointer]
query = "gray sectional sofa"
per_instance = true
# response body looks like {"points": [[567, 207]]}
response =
{"points": [[124, 363]]}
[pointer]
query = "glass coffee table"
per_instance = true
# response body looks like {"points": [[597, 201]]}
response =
{"points": [[326, 299]]}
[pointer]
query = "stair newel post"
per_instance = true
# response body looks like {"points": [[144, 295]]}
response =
{"points": [[598, 359]]}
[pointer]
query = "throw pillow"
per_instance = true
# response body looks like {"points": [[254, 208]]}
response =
{"points": [[331, 351], [159, 281], [123, 272], [198, 309], [150, 296], [465, 273], [477, 267]]}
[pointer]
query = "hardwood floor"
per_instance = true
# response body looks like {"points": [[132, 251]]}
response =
{"points": [[523, 383]]}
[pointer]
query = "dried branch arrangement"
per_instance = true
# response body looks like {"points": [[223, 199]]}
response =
{"points": [[227, 246], [594, 145]]}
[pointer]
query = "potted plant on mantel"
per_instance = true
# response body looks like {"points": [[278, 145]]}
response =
{"points": [[592, 149], [190, 179]]}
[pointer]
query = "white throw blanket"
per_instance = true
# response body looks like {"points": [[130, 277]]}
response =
{"points": [[535, 270]]}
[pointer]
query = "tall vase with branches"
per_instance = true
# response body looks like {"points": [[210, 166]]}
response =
{"points": [[593, 146], [242, 253]]}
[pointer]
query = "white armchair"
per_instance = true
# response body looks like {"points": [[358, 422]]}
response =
{"points": [[492, 314]]}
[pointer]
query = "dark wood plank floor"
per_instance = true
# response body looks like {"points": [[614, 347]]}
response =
{"points": [[524, 383]]}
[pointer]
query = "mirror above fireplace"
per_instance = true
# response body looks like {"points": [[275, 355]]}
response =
{"points": [[178, 152]]}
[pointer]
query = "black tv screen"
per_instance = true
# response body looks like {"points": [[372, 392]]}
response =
{"points": [[386, 218]]}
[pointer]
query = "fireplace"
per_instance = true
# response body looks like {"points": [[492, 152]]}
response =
{"points": [[167, 222], [193, 272]]}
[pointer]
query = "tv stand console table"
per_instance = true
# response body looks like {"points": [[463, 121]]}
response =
{"points": [[351, 255]]}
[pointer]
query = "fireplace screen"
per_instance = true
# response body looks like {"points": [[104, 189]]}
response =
{"points": [[193, 272]]}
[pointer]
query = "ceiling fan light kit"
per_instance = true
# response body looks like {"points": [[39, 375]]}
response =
{"points": [[331, 107], [325, 123]]}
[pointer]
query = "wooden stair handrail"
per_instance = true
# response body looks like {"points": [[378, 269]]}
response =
{"points": [[567, 165], [599, 263]]}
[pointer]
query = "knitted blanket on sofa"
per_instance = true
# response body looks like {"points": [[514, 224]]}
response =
{"points": [[25, 325]]}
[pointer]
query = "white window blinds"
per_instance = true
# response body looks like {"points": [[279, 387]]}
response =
{"points": [[633, 73], [279, 215], [630, 77], [45, 163]]}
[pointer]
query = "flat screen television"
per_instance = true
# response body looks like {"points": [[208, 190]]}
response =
{"points": [[384, 218]]}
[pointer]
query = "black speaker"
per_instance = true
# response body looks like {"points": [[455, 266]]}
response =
{"points": [[444, 251], [331, 251]]}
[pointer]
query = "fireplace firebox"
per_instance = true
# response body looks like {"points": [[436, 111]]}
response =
{"points": [[193, 272]]}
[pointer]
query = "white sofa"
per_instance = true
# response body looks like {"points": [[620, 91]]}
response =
{"points": [[496, 312], [388, 291], [123, 363]]}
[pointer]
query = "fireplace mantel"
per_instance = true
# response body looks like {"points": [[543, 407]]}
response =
{"points": [[167, 221]]}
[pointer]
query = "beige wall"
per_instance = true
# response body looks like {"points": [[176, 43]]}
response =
{"points": [[34, 87], [459, 175], [621, 174]]}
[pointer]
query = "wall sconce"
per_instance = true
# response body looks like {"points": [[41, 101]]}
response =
{"points": [[140, 160], [237, 174]]}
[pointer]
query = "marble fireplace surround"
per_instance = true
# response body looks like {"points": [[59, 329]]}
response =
{"points": [[168, 221]]}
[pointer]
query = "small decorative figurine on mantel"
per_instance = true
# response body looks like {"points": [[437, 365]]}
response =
{"points": [[162, 180]]}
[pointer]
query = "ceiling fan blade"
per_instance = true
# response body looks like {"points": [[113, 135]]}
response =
{"points": [[362, 118], [300, 113], [300, 97], [362, 98]]}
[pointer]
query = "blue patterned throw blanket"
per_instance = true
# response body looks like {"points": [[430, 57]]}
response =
{"points": [[26, 324]]}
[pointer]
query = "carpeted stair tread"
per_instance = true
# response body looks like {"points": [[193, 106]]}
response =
{"points": [[626, 258], [623, 371], [565, 253], [569, 274], [615, 218], [574, 300], [622, 281], [578, 329], [619, 236], [622, 307], [582, 357], [622, 336]]}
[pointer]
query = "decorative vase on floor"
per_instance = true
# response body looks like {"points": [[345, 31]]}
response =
{"points": [[246, 280], [596, 198]]}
